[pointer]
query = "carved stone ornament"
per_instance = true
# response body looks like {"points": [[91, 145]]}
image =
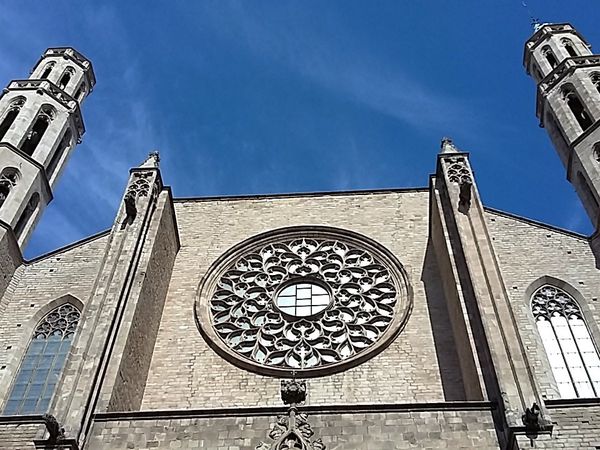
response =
{"points": [[458, 171], [237, 305]]}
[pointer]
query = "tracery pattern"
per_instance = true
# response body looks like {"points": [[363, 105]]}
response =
{"points": [[571, 352], [458, 172], [246, 319], [60, 323]]}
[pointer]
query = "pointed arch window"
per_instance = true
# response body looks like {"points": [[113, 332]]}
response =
{"points": [[34, 136], [47, 70], [66, 77], [550, 57], [8, 180], [573, 357], [569, 47], [11, 114], [576, 106], [44, 361]]}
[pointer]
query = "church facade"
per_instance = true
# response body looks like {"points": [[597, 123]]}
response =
{"points": [[371, 320]]}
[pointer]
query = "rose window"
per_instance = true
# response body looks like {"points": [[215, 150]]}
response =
{"points": [[303, 300]]}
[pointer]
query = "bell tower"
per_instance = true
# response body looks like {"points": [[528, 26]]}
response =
{"points": [[567, 75], [40, 125]]}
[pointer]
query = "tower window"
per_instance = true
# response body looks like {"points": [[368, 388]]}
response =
{"points": [[47, 70], [596, 80], [27, 213], [44, 361], [596, 151], [37, 130], [577, 108], [66, 77], [64, 143], [11, 115], [550, 57], [569, 47], [8, 180]]}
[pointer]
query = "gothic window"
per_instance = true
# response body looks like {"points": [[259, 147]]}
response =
{"points": [[27, 213], [8, 180], [43, 362], [573, 357], [47, 70], [38, 129], [596, 80], [81, 92], [309, 300], [596, 151], [11, 114], [569, 47], [62, 146], [576, 106], [66, 77], [550, 57]]}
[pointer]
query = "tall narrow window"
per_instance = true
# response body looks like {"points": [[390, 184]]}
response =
{"points": [[550, 57], [27, 213], [47, 70], [573, 357], [64, 143], [43, 363], [66, 77], [37, 130], [569, 47], [11, 115], [577, 108], [8, 180]]}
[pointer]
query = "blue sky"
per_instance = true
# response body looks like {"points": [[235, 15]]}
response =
{"points": [[246, 97]]}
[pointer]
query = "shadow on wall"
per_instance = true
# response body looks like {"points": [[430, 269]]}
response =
{"points": [[443, 336]]}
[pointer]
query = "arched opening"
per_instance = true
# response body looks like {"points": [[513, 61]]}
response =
{"points": [[66, 77], [27, 213], [567, 341], [596, 80], [43, 363], [80, 94], [62, 146], [47, 70], [37, 130], [576, 106], [11, 115], [550, 57], [596, 151], [8, 180], [569, 47]]}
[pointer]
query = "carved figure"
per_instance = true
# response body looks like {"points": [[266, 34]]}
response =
{"points": [[56, 432]]}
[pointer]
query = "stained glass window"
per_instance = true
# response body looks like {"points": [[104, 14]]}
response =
{"points": [[572, 354], [43, 363]]}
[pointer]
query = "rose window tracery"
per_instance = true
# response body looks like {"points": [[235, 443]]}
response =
{"points": [[305, 302]]}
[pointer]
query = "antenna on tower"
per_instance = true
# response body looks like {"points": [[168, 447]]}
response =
{"points": [[535, 22]]}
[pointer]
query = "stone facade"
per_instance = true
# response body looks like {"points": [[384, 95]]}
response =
{"points": [[466, 369]]}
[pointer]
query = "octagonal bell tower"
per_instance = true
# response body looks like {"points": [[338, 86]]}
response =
{"points": [[40, 125], [567, 74]]}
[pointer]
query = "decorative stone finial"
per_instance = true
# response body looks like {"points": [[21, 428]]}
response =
{"points": [[448, 146], [152, 160]]}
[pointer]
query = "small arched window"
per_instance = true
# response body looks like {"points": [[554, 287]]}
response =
{"points": [[547, 51], [38, 129], [27, 213], [11, 114], [569, 47], [44, 361], [595, 77], [573, 357], [66, 77], [8, 180], [62, 146], [576, 106], [48, 70]]}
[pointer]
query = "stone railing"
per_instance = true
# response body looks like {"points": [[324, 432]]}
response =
{"points": [[567, 66], [70, 52]]}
